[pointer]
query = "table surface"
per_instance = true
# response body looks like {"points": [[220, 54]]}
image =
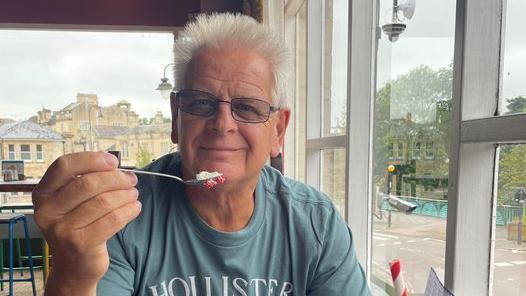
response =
{"points": [[18, 186]]}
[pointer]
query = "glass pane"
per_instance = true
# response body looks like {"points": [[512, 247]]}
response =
{"points": [[335, 67], [412, 119], [301, 92], [510, 244], [514, 69], [71, 91], [333, 168], [25, 152]]}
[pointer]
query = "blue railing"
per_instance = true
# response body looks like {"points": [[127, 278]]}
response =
{"points": [[438, 208]]}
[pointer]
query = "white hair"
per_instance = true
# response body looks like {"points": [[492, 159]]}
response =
{"points": [[234, 31]]}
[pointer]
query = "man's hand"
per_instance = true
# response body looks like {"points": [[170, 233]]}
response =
{"points": [[80, 203]]}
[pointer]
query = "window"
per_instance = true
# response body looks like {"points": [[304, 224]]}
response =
{"points": [[12, 153], [399, 151], [40, 153], [333, 163], [124, 147], [451, 133], [299, 36], [414, 76], [326, 78], [25, 152], [416, 150], [430, 152], [85, 111], [514, 68], [83, 125], [510, 215], [335, 67]]}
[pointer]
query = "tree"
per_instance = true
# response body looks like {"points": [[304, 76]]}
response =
{"points": [[145, 121], [414, 108], [144, 157], [516, 105], [512, 166]]}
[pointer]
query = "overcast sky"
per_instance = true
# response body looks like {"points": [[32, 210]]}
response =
{"points": [[48, 68], [429, 40]]}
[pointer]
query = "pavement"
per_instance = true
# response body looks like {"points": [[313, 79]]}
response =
{"points": [[419, 243]]}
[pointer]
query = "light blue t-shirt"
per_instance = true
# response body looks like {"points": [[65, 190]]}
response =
{"points": [[295, 244]]}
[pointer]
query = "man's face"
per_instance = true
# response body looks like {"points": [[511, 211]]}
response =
{"points": [[219, 142]]}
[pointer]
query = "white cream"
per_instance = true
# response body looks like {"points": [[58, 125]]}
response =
{"points": [[204, 175]]}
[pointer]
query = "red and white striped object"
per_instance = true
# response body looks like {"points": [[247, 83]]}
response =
{"points": [[398, 279]]}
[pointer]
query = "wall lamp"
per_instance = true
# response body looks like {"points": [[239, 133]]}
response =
{"points": [[165, 87]]}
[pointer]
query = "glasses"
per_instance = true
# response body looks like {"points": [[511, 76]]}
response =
{"points": [[204, 104]]}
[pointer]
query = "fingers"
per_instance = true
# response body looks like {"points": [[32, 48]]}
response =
{"points": [[99, 206], [69, 166], [88, 186], [104, 228]]}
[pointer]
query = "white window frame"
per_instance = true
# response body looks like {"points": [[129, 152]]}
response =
{"points": [[360, 118], [361, 84], [476, 133]]}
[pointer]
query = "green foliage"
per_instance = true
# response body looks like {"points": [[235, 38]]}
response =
{"points": [[145, 121], [148, 121], [417, 96], [422, 100], [144, 157], [512, 166], [512, 173], [516, 105]]}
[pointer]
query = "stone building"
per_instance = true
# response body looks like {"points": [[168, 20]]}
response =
{"points": [[35, 144], [87, 126]]}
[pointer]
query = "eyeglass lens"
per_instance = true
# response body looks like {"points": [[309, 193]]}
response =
{"points": [[204, 104]]}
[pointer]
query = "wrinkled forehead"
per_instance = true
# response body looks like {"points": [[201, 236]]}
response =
{"points": [[229, 67]]}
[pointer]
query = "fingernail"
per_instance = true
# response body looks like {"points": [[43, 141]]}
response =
{"points": [[111, 159], [133, 178], [139, 205]]}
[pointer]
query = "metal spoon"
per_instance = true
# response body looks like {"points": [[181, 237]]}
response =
{"points": [[196, 182]]}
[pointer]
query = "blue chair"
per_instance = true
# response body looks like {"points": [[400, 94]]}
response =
{"points": [[12, 219]]}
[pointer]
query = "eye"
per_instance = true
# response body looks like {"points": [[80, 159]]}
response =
{"points": [[201, 103], [246, 108]]}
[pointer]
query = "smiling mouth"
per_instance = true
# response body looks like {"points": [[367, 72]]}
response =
{"points": [[220, 149]]}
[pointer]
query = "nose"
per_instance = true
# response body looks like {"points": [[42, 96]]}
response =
{"points": [[223, 122]]}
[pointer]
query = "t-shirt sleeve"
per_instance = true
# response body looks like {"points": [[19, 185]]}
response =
{"points": [[118, 280], [338, 271]]}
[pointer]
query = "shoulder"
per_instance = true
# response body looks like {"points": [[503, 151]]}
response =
{"points": [[311, 211]]}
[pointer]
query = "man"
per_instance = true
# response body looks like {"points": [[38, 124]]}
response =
{"points": [[257, 234]]}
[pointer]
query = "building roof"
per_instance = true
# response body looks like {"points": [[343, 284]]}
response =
{"points": [[69, 107], [153, 128], [5, 120], [109, 131], [27, 130]]}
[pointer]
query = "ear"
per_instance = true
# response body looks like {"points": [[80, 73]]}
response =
{"points": [[280, 129], [175, 109]]}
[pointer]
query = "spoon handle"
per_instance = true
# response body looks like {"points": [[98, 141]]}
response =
{"points": [[153, 173]]}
